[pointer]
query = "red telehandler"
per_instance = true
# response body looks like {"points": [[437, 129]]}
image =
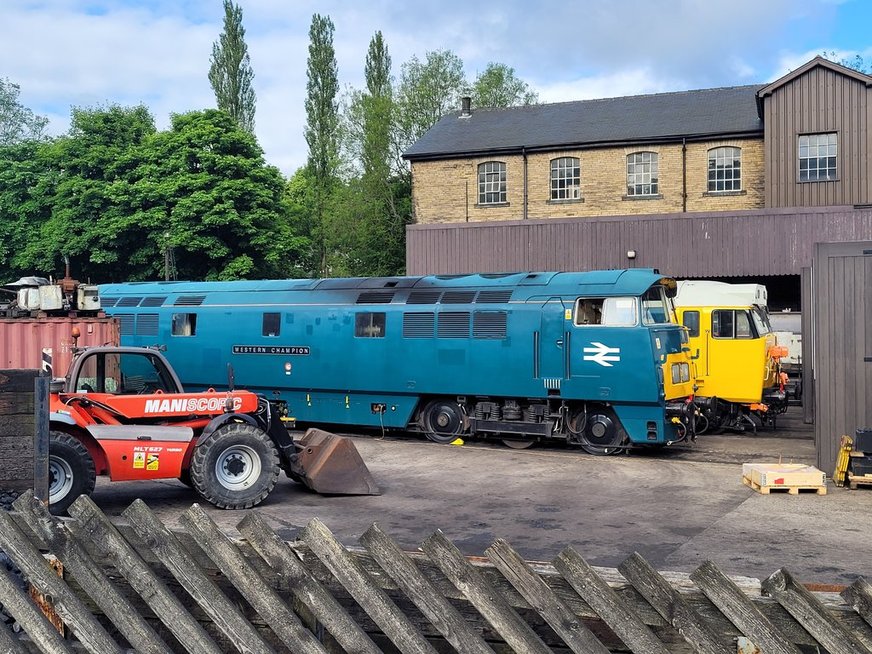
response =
{"points": [[122, 412]]}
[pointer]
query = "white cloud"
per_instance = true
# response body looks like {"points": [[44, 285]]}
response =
{"points": [[69, 52]]}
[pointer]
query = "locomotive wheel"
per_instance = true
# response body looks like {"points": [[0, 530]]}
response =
{"points": [[71, 471], [602, 434], [518, 445], [442, 421], [237, 467]]}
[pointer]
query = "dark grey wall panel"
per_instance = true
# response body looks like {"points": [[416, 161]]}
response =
{"points": [[841, 283], [821, 100], [744, 243]]}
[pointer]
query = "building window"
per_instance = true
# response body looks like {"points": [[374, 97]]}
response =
{"points": [[642, 173], [492, 182], [817, 157], [566, 178], [724, 169]]}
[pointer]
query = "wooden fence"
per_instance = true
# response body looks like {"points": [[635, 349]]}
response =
{"points": [[139, 585]]}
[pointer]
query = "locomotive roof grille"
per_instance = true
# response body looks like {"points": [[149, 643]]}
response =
{"points": [[424, 297], [375, 297], [494, 297], [458, 297], [189, 300], [129, 302], [153, 301], [108, 301]]}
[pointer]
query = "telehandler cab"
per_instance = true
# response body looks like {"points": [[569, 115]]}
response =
{"points": [[122, 412]]}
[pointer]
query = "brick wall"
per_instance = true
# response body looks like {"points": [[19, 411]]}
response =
{"points": [[447, 191]]}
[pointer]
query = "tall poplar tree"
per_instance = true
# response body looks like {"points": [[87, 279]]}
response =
{"points": [[322, 122], [230, 73]]}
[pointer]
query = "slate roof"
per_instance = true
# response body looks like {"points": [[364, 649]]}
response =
{"points": [[662, 117]]}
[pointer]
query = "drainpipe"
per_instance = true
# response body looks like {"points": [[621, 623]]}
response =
{"points": [[524, 154], [684, 175]]}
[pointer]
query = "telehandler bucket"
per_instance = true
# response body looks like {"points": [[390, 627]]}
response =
{"points": [[330, 465]]}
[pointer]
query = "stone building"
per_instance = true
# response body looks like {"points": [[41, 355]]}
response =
{"points": [[735, 182]]}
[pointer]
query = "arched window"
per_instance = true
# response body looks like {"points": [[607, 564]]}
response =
{"points": [[642, 173], [566, 178], [724, 169], [492, 182]]}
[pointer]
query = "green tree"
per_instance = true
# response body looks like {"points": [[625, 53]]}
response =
{"points": [[17, 122], [427, 91], [25, 204], [204, 189], [498, 86], [322, 123], [230, 73], [86, 185], [856, 62]]}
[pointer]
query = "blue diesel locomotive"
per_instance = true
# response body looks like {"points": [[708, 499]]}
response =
{"points": [[590, 358]]}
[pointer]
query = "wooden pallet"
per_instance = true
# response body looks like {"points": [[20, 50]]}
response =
{"points": [[791, 490], [856, 480], [790, 477]]}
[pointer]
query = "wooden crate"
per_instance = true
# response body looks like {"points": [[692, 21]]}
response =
{"points": [[791, 477], [859, 480]]}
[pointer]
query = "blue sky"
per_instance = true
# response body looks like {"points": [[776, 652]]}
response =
{"points": [[66, 53]]}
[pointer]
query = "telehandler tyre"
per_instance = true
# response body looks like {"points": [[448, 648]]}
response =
{"points": [[236, 467], [71, 471]]}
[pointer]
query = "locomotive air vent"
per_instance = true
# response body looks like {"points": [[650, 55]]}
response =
{"points": [[489, 324], [453, 324], [129, 302], [153, 301], [146, 324], [375, 297], [189, 300], [125, 323], [419, 324], [458, 297], [424, 297], [493, 297], [108, 301]]}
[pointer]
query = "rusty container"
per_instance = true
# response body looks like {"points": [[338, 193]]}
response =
{"points": [[22, 340]]}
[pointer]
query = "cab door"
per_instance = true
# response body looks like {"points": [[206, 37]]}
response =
{"points": [[551, 345]]}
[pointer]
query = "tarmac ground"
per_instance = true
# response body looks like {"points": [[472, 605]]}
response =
{"points": [[677, 508]]}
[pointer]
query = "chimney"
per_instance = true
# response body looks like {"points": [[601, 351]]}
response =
{"points": [[465, 101]]}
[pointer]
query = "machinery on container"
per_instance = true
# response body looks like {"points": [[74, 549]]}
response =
{"points": [[38, 297], [123, 412], [736, 354], [592, 359]]}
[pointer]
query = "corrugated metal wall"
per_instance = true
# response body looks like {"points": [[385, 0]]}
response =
{"points": [[821, 100], [841, 286], [22, 340], [752, 243]]}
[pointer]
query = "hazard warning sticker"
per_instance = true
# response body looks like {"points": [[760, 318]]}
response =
{"points": [[139, 459], [153, 462]]}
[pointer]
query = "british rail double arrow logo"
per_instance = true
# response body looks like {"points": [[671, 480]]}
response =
{"points": [[602, 354]]}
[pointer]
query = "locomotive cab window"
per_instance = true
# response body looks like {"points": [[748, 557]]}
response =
{"points": [[732, 323], [369, 325], [655, 307], [609, 311], [184, 324], [690, 319], [272, 324]]}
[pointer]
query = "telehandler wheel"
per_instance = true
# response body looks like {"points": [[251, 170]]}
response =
{"points": [[236, 467], [71, 471]]}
